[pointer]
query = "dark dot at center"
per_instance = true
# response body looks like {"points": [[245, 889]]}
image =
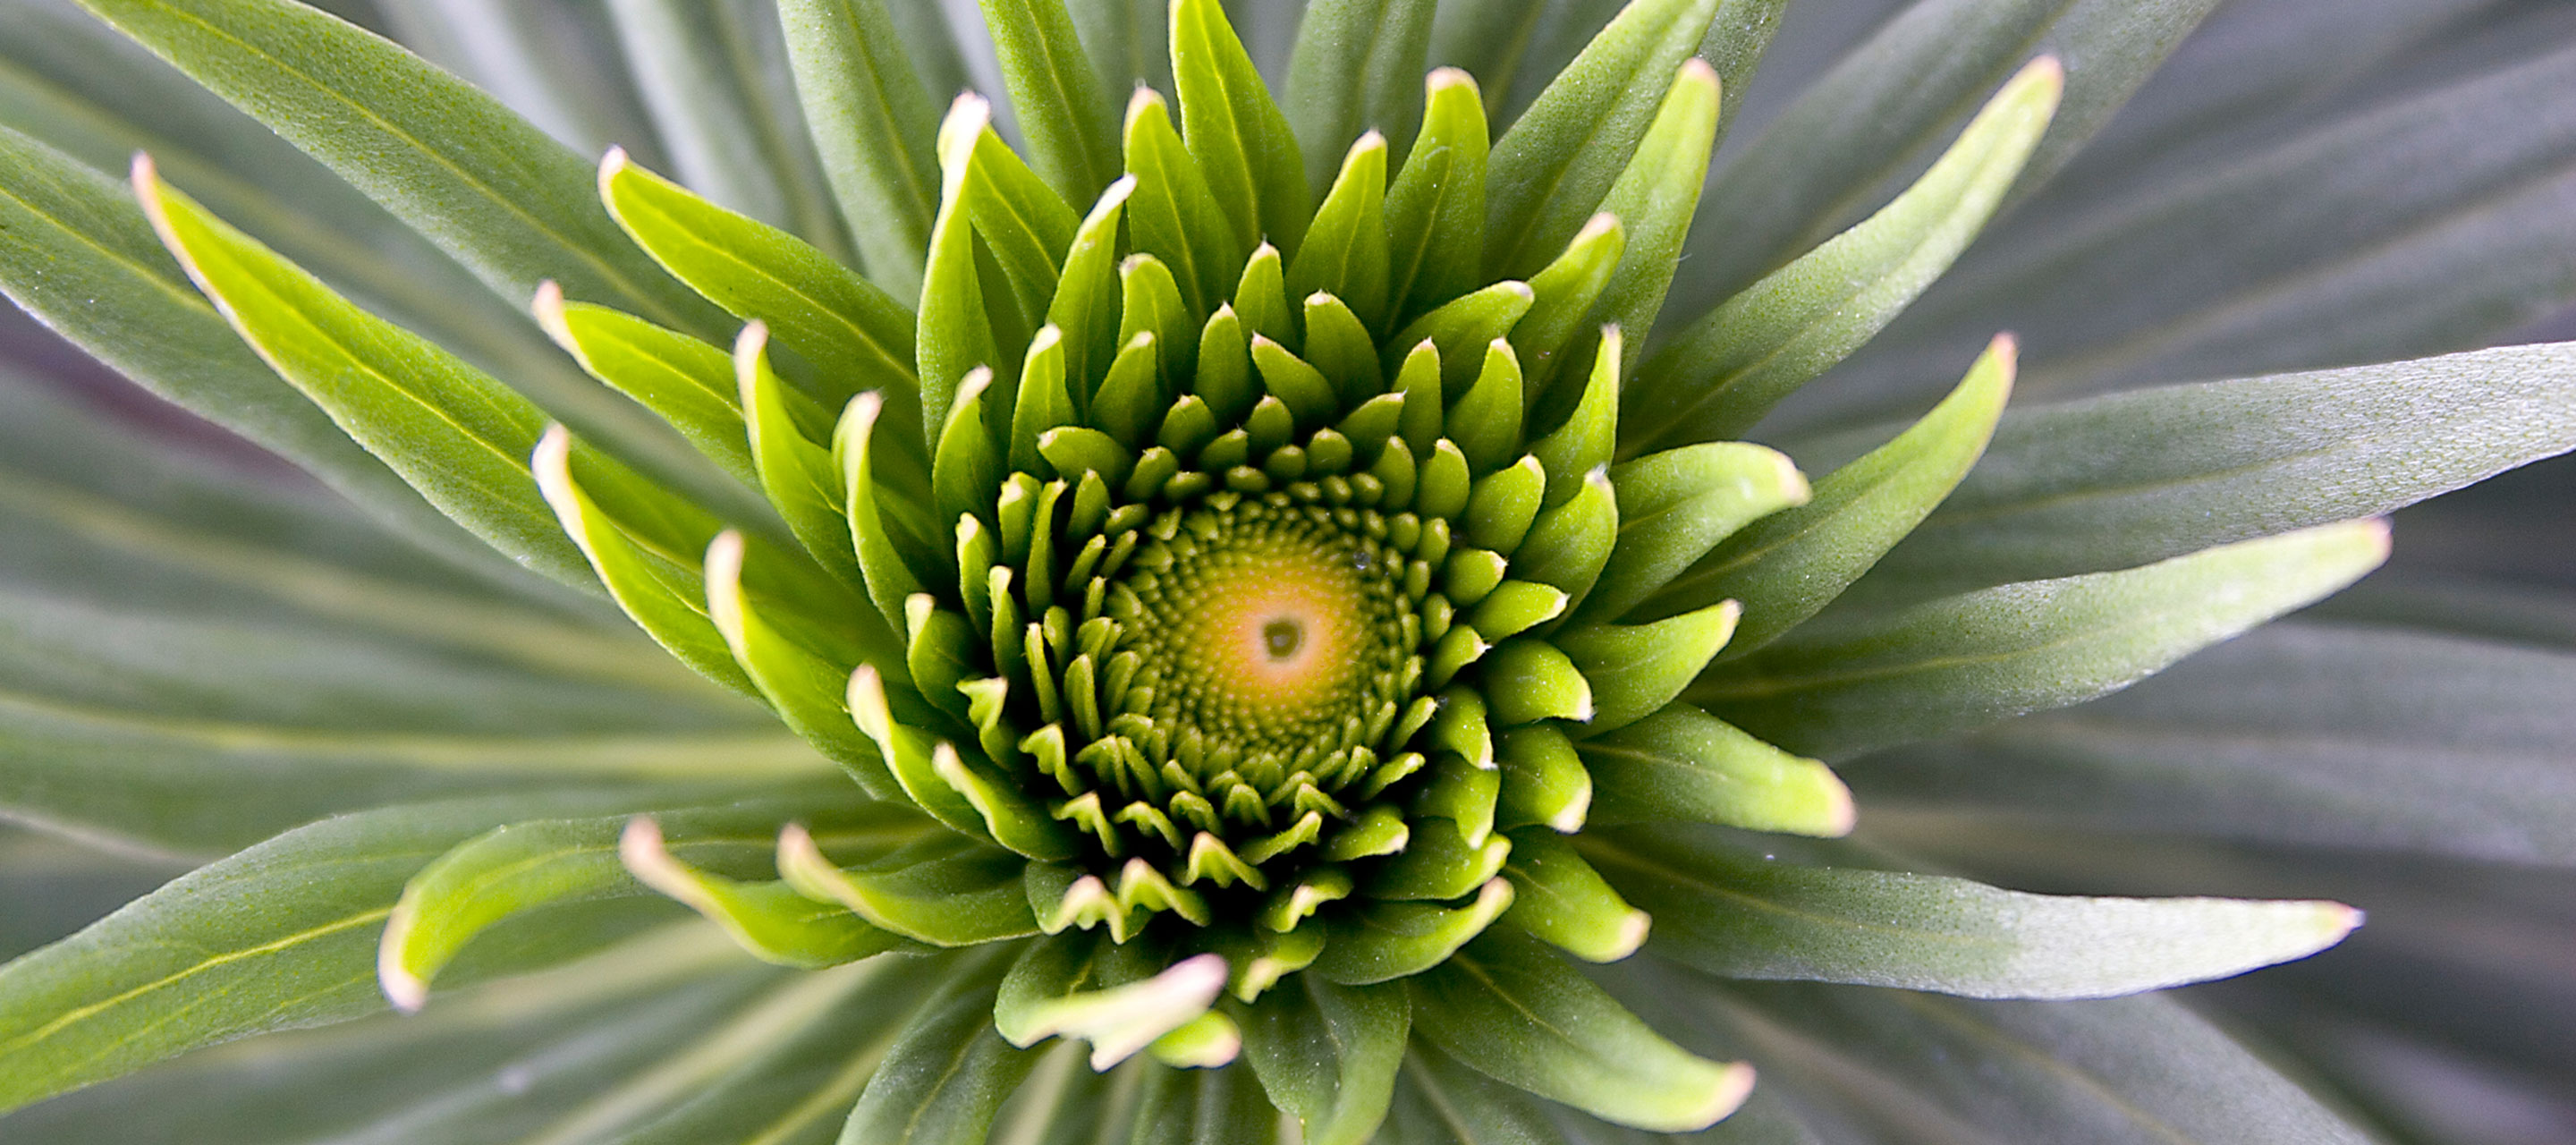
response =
{"points": [[1281, 638]]}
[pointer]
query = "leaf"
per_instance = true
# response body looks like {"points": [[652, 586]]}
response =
{"points": [[571, 1032], [1789, 566], [1357, 67], [1883, 107], [1055, 990], [733, 127], [2075, 487], [1549, 172], [1729, 368], [1636, 669], [874, 128], [1067, 115], [681, 379], [2298, 733], [271, 938], [2131, 1069], [1435, 211], [1440, 1102], [1962, 661], [1654, 197], [69, 237], [1742, 914], [1515, 1012], [856, 335], [454, 433], [2236, 262], [1683, 764], [1190, 1106], [529, 865], [514, 206], [795, 1080], [948, 1072], [1328, 1054], [1238, 135], [1676, 505], [768, 919]]}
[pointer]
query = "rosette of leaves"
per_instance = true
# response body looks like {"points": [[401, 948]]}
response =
{"points": [[1183, 615]]}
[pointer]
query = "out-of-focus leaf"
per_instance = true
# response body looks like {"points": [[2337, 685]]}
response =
{"points": [[558, 65], [1835, 689], [1879, 111], [874, 128], [1068, 117], [1514, 1011], [1328, 1054], [2130, 1071], [1440, 1102], [712, 73], [271, 938], [1191, 1106], [2310, 734], [73, 239], [2259, 260], [490, 188], [947, 1072], [1742, 914], [2124, 479], [489, 1065], [1358, 66]]}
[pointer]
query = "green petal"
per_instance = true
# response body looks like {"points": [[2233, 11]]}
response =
{"points": [[1240, 138], [768, 919], [874, 128], [1356, 67], [947, 1074], [1684, 764], [1063, 108], [1328, 1054]]}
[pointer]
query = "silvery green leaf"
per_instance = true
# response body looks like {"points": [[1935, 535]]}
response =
{"points": [[2123, 479], [1743, 914], [874, 127], [1840, 687], [513, 205], [1883, 1065], [274, 937], [1878, 112], [2299, 733]]}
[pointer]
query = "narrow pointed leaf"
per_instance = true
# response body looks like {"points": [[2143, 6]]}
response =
{"points": [[1240, 138], [1728, 369], [874, 127], [1683, 764], [1962, 661], [1328, 1054], [1068, 114], [947, 1073], [1732, 912], [1515, 1012], [1357, 66]]}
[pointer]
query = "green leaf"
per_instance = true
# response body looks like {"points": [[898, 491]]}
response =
{"points": [[1654, 197], [1636, 669], [526, 866], [1384, 941], [1877, 114], [1190, 1106], [798, 1072], [1068, 116], [1947, 665], [1173, 214], [1440, 1102], [2127, 1069], [2296, 733], [574, 1031], [1056, 989], [709, 76], [769, 920], [1345, 251], [1789, 566], [1328, 1055], [490, 188], [1683, 764], [459, 437], [1356, 69], [1562, 900], [856, 335], [1238, 135], [1515, 1012], [69, 236], [275, 937], [1549, 172], [1738, 913], [874, 127], [687, 382], [2072, 487], [1435, 211], [1727, 370], [948, 1072], [1676, 505]]}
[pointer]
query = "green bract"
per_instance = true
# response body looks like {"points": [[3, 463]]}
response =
{"points": [[1278, 591]]}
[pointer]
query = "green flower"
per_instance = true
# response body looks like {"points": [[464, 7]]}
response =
{"points": [[1227, 620]]}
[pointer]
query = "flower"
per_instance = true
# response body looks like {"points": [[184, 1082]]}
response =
{"points": [[1226, 619]]}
